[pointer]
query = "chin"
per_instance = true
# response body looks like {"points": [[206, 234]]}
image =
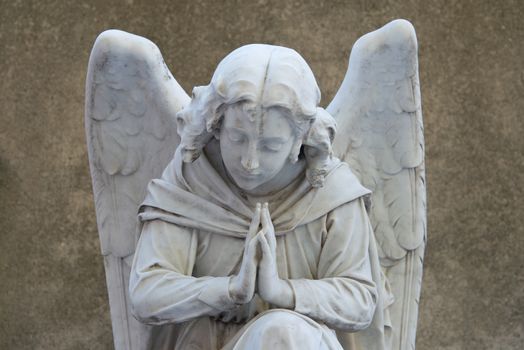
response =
{"points": [[247, 185]]}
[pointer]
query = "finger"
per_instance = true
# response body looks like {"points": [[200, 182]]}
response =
{"points": [[251, 247], [253, 227], [271, 240], [266, 218], [255, 222], [250, 259], [264, 245], [268, 262], [268, 225]]}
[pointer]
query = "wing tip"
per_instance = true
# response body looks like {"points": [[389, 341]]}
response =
{"points": [[115, 39], [114, 36], [401, 26], [109, 38], [398, 31]]}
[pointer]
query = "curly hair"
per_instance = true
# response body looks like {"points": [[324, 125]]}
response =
{"points": [[255, 75], [318, 147]]}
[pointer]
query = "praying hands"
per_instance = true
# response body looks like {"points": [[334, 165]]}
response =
{"points": [[258, 270]]}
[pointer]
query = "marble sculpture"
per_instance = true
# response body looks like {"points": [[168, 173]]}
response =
{"points": [[248, 217]]}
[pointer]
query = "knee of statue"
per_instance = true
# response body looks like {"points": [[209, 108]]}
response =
{"points": [[282, 324]]}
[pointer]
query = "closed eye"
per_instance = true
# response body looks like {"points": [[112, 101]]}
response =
{"points": [[273, 145], [235, 136]]}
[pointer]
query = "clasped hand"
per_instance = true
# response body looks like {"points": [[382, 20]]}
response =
{"points": [[258, 270]]}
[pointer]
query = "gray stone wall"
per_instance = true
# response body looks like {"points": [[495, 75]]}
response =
{"points": [[52, 290]]}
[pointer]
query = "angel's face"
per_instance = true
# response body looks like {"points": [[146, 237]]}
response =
{"points": [[255, 145]]}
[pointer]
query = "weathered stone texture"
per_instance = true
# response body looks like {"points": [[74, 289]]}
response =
{"points": [[53, 294]]}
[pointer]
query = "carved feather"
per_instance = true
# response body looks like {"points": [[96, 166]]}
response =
{"points": [[131, 103], [378, 105]]}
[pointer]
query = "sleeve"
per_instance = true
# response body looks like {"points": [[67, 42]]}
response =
{"points": [[344, 296], [161, 287]]}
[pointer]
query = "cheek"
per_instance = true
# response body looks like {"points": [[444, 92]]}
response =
{"points": [[267, 162], [230, 153], [274, 161]]}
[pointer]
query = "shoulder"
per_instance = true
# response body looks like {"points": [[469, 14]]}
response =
{"points": [[341, 175], [355, 208], [341, 187]]}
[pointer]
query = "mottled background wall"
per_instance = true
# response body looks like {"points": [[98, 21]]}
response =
{"points": [[52, 289]]}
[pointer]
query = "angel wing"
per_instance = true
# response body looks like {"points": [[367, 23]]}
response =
{"points": [[131, 102], [378, 110]]}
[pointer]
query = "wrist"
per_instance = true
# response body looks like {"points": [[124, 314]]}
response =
{"points": [[237, 294], [287, 294], [280, 294], [216, 294]]}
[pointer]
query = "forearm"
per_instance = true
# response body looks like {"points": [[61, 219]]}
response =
{"points": [[161, 287], [160, 296], [344, 295], [339, 302]]}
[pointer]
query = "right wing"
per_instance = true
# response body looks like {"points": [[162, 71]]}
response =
{"points": [[131, 103]]}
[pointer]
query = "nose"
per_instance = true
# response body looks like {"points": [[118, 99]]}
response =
{"points": [[250, 158]]}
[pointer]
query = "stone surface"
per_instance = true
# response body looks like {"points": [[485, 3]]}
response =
{"points": [[54, 296], [253, 120]]}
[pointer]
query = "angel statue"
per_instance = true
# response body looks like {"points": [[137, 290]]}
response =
{"points": [[248, 217]]}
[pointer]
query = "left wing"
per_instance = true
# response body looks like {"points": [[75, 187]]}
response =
{"points": [[380, 135]]}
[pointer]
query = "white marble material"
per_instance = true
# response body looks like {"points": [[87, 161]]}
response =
{"points": [[257, 234]]}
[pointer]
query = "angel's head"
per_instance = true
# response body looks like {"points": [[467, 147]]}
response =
{"points": [[261, 105]]}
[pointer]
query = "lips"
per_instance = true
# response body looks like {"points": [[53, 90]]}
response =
{"points": [[249, 175]]}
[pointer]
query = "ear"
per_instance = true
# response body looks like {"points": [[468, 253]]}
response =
{"points": [[295, 151], [180, 123]]}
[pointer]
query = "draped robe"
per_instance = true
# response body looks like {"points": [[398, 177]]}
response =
{"points": [[194, 221]]}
